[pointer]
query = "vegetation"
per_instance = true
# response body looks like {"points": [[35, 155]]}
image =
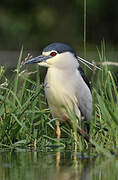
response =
{"points": [[25, 119]]}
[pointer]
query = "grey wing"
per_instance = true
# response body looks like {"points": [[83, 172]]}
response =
{"points": [[84, 99], [84, 96], [85, 105]]}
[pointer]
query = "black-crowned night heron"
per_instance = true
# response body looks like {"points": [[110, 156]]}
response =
{"points": [[66, 87]]}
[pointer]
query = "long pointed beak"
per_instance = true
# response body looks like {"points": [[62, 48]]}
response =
{"points": [[37, 59]]}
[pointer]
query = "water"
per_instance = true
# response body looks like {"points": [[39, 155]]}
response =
{"points": [[55, 165]]}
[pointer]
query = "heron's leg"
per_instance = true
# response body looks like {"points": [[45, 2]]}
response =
{"points": [[58, 156], [75, 138], [58, 132]]}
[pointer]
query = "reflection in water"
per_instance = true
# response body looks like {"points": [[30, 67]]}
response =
{"points": [[75, 170], [58, 156], [55, 166]]}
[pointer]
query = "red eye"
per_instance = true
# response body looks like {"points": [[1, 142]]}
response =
{"points": [[53, 53]]}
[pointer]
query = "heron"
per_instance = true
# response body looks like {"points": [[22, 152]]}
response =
{"points": [[67, 89]]}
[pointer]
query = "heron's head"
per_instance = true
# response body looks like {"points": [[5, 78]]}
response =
{"points": [[56, 55]]}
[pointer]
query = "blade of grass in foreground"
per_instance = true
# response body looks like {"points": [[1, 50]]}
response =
{"points": [[17, 74]]}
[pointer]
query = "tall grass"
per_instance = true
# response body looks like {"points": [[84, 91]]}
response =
{"points": [[25, 119], [84, 37], [104, 127]]}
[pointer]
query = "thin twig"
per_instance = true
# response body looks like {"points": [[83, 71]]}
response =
{"points": [[106, 63]]}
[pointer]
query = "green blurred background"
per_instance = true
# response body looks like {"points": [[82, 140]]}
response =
{"points": [[34, 24]]}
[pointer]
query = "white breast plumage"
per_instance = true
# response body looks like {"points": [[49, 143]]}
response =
{"points": [[62, 94]]}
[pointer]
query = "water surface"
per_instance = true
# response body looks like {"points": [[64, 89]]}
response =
{"points": [[51, 165]]}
